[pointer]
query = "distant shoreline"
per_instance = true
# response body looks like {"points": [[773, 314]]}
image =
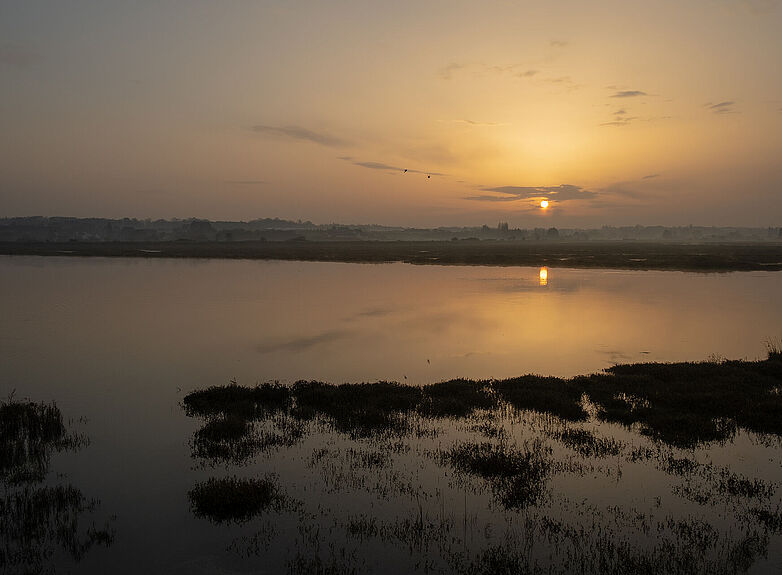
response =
{"points": [[614, 255]]}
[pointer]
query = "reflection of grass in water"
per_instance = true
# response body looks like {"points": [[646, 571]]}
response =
{"points": [[232, 499], [683, 548], [587, 444], [546, 394], [455, 398], [517, 476], [29, 434], [359, 410], [382, 425], [245, 402], [688, 403], [682, 404], [36, 520]]}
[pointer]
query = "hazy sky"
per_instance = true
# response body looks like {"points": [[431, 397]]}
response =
{"points": [[618, 112]]}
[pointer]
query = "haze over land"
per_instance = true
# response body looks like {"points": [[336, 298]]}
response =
{"points": [[662, 113]]}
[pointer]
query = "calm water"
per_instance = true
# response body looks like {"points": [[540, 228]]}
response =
{"points": [[119, 342]]}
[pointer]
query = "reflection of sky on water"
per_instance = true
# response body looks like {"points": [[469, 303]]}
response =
{"points": [[120, 341], [214, 320]]}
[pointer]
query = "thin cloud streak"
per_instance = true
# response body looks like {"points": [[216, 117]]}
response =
{"points": [[474, 123], [561, 193], [301, 134], [726, 107], [386, 167], [628, 94]]}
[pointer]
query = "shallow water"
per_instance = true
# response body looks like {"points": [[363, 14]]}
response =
{"points": [[119, 342]]}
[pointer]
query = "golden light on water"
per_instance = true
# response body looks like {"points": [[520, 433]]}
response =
{"points": [[544, 204], [543, 276]]}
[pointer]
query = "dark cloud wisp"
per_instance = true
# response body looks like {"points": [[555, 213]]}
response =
{"points": [[628, 94], [299, 133], [726, 107], [385, 167]]}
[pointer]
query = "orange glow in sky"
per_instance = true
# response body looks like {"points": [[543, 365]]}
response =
{"points": [[403, 113], [543, 276]]}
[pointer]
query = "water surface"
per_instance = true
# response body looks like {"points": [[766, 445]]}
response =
{"points": [[119, 343]]}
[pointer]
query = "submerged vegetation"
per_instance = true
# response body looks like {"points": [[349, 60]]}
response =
{"points": [[234, 499], [517, 476], [472, 476], [38, 520], [682, 404]]}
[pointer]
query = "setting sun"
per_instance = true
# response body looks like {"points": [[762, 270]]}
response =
{"points": [[544, 204]]}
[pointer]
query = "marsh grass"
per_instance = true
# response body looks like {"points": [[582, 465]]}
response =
{"points": [[237, 500], [588, 444], [237, 401], [37, 520], [29, 434], [682, 404], [518, 477], [545, 394], [358, 410], [415, 455], [774, 348]]}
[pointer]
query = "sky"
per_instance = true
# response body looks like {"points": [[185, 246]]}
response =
{"points": [[616, 112]]}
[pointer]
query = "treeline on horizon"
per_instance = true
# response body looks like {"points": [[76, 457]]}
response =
{"points": [[68, 229]]}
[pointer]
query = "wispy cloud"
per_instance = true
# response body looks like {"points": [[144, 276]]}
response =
{"points": [[474, 123], [558, 43], [378, 166], [301, 134], [448, 72], [642, 189], [478, 68], [383, 167], [562, 193], [305, 343], [726, 107], [620, 118], [628, 94]]}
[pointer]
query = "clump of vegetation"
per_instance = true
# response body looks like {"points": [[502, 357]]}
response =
{"points": [[679, 465], [455, 398], [36, 520], [772, 520], [545, 394], [233, 499], [688, 403], [359, 410], [588, 444], [518, 477], [237, 400], [739, 486], [682, 404], [774, 348], [229, 434], [29, 434]]}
